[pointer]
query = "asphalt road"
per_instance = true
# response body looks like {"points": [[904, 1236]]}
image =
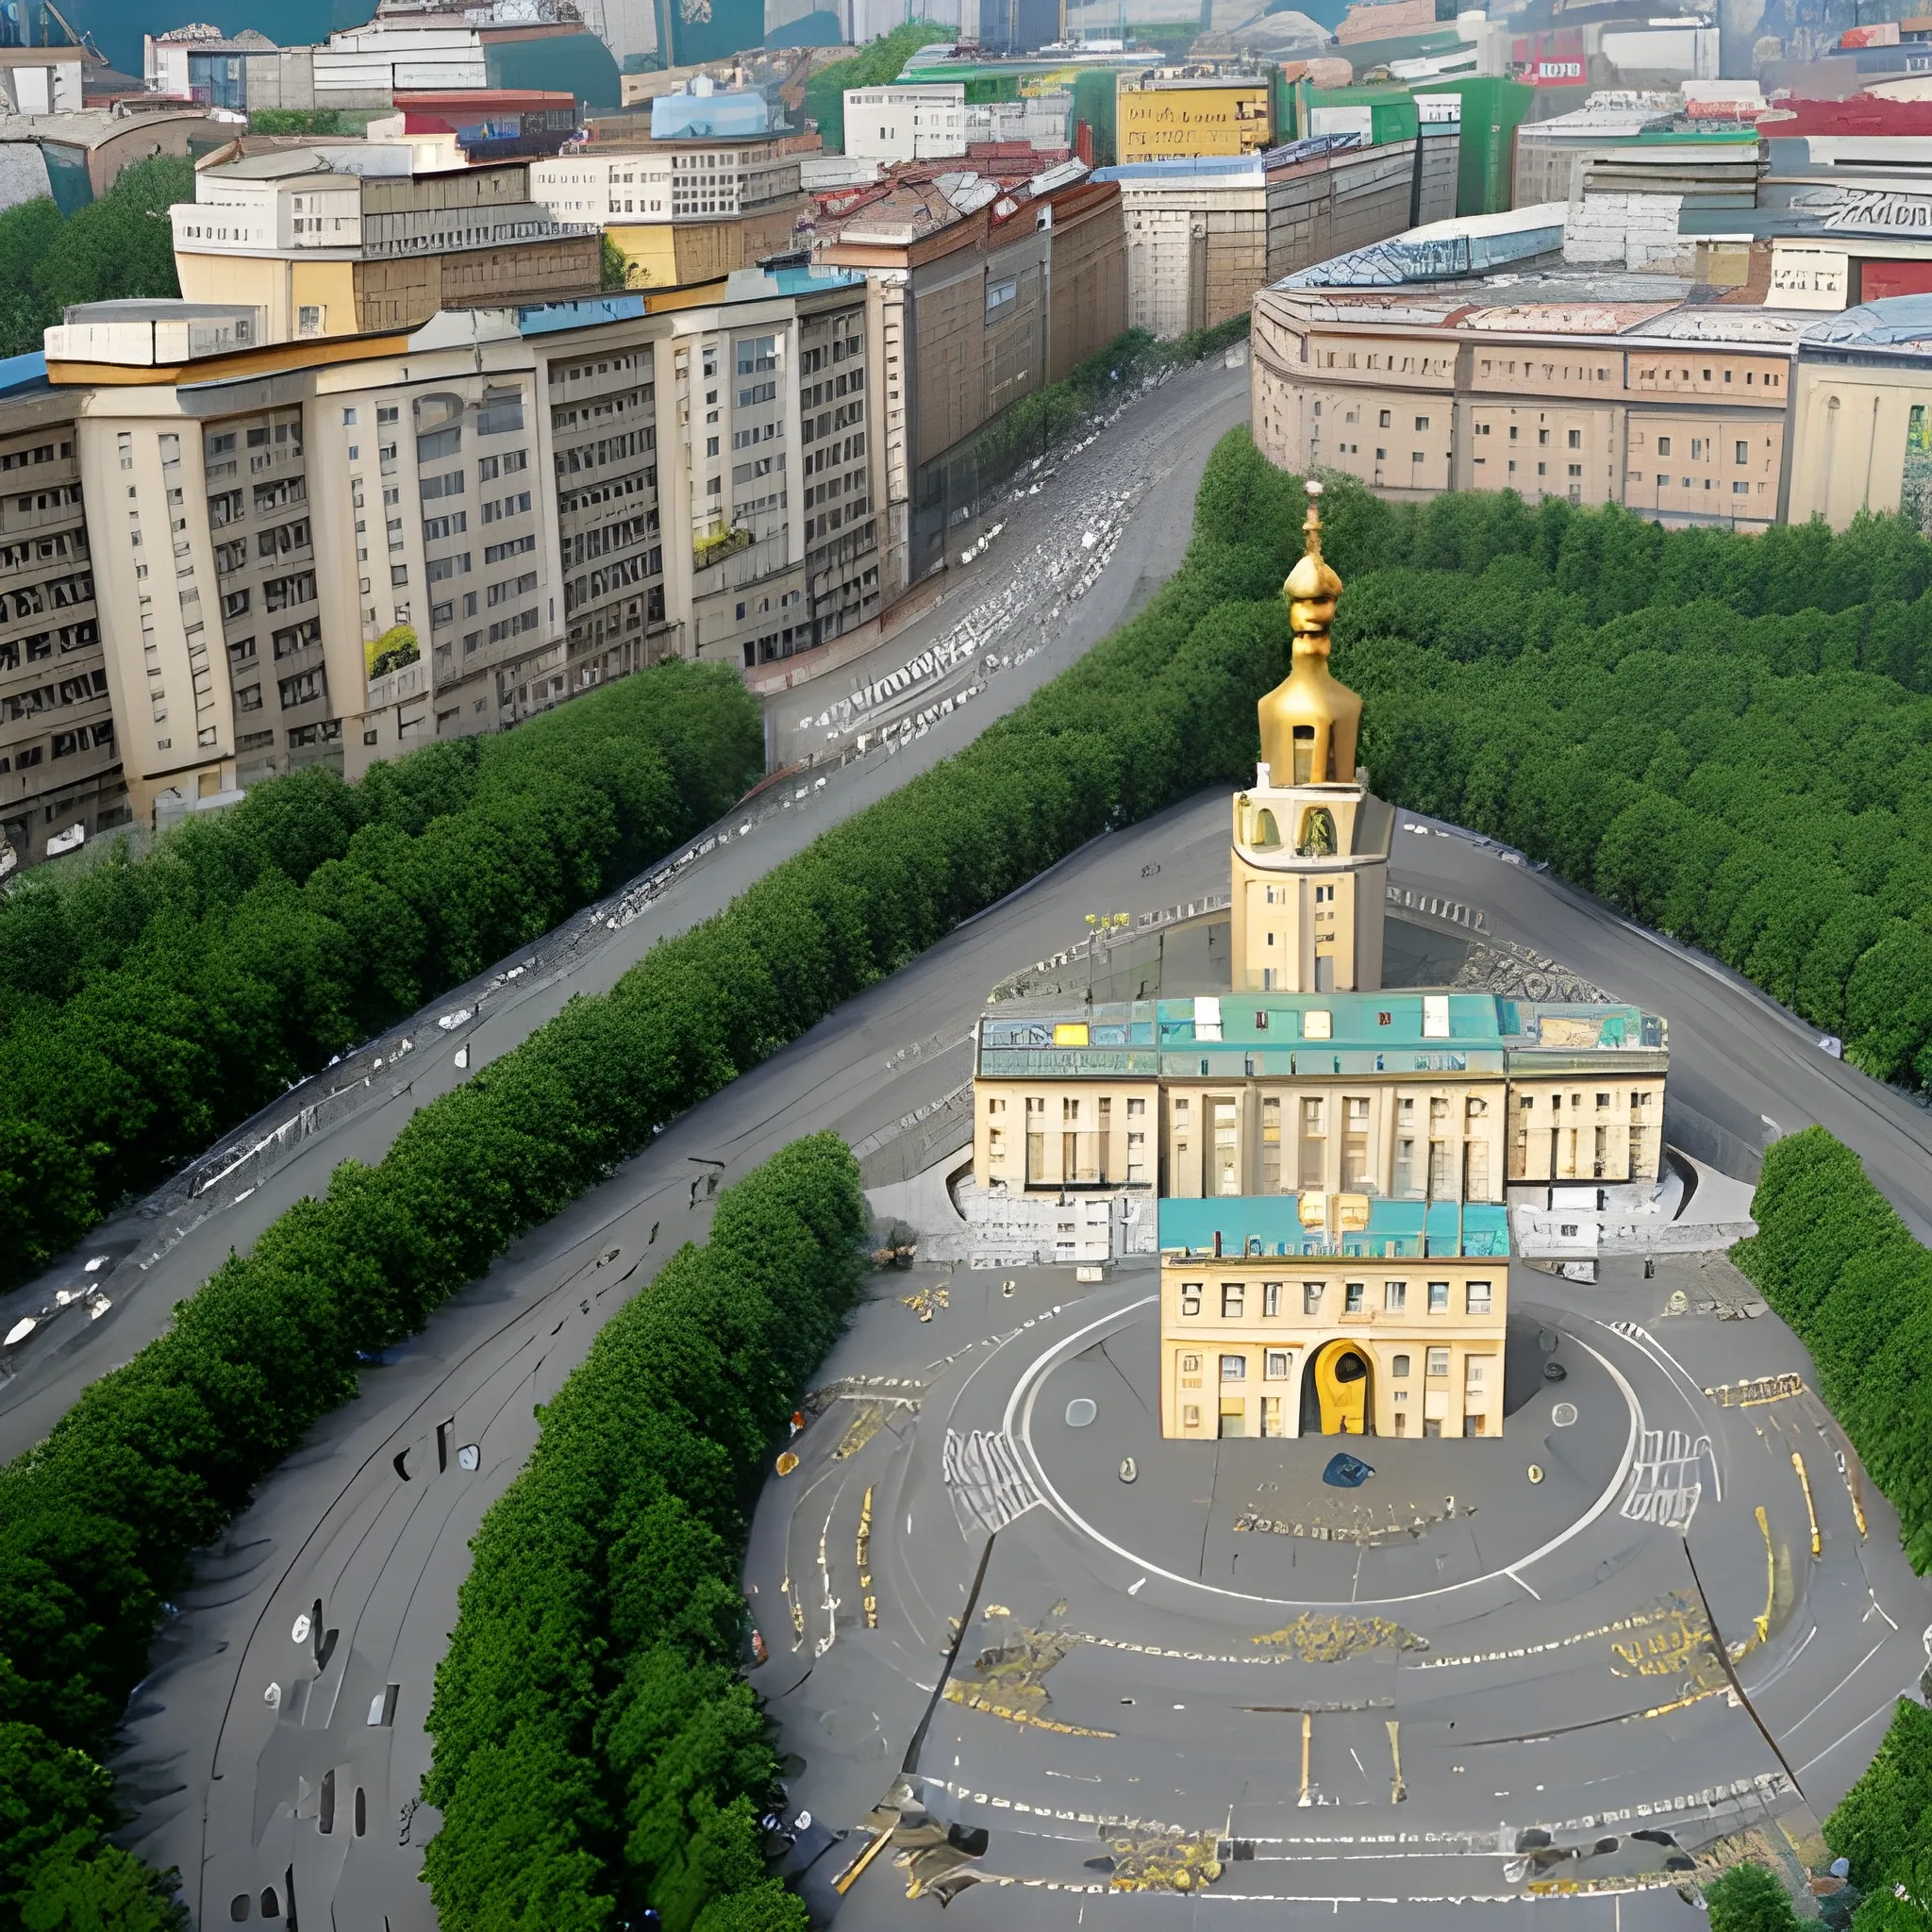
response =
{"points": [[1738, 1059], [231, 1786], [1135, 484], [1139, 1659]]}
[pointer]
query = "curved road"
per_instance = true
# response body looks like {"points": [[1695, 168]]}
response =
{"points": [[256, 1726]]}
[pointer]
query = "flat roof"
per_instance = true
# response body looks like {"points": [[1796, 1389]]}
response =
{"points": [[1265, 1226], [1408, 1019]]}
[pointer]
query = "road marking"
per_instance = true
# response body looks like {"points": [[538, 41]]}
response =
{"points": [[1834, 1690], [1885, 1709]]}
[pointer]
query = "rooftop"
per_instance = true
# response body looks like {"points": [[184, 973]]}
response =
{"points": [[1262, 1226]]}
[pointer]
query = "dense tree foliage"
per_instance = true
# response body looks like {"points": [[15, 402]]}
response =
{"points": [[98, 1525], [1834, 1259], [595, 1748], [146, 1008], [872, 65], [116, 249], [1728, 737], [1750, 1898]]}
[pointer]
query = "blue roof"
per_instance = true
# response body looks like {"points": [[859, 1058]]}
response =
{"points": [[23, 372], [709, 117], [1270, 1225]]}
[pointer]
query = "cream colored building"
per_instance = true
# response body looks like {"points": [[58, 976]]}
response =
{"points": [[1386, 1341], [330, 551], [1310, 860], [1330, 1162], [1679, 411], [345, 240]]}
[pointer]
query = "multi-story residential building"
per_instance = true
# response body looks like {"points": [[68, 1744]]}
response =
{"points": [[1328, 1166], [316, 557], [59, 761], [344, 240], [682, 205], [977, 307], [1204, 235]]}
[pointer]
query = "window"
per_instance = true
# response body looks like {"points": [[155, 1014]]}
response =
{"points": [[1438, 1297], [1271, 1298], [1190, 1297], [1276, 1365], [1439, 1362], [1136, 1107], [1398, 1367], [309, 319], [1385, 420], [1663, 446], [1233, 1301], [1421, 426], [1234, 1368], [1311, 1297], [1190, 1416], [1740, 451], [1478, 1293], [1000, 296], [1352, 1297], [1576, 438], [1394, 1297]]}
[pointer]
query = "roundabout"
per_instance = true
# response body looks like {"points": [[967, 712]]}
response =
{"points": [[1055, 1690]]}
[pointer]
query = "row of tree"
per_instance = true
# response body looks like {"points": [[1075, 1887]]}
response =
{"points": [[1760, 786], [595, 1749], [1619, 562], [98, 1525], [150, 1006], [1833, 1259], [118, 249]]}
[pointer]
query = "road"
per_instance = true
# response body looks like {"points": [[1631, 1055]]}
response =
{"points": [[1135, 484], [231, 1785], [1743, 1062]]}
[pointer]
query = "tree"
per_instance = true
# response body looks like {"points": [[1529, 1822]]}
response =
{"points": [[1750, 1898], [614, 267]]}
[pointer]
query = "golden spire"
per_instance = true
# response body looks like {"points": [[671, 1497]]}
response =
{"points": [[1309, 723]]}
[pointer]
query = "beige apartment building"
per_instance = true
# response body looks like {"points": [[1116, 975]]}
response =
{"points": [[1679, 410], [969, 314], [333, 550], [680, 211], [346, 240], [60, 761]]}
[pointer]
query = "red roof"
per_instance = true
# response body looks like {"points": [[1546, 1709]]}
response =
{"points": [[1862, 114], [442, 113]]}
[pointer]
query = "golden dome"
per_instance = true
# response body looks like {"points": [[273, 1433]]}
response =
{"points": [[1311, 724]]}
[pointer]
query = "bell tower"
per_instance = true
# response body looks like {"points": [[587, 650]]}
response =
{"points": [[1310, 857]]}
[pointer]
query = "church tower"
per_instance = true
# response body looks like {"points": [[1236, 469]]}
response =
{"points": [[1310, 860]]}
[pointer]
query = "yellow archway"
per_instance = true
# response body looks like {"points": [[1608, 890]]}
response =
{"points": [[1342, 1377]]}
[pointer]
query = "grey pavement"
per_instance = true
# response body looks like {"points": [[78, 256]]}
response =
{"points": [[232, 1785]]}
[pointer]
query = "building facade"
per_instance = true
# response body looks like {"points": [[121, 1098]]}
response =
{"points": [[1596, 390], [1329, 1166], [331, 552], [340, 241], [1204, 235]]}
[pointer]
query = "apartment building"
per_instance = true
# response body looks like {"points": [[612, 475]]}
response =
{"points": [[59, 760], [681, 210], [345, 240], [975, 306], [1204, 235], [1592, 387], [930, 120]]}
